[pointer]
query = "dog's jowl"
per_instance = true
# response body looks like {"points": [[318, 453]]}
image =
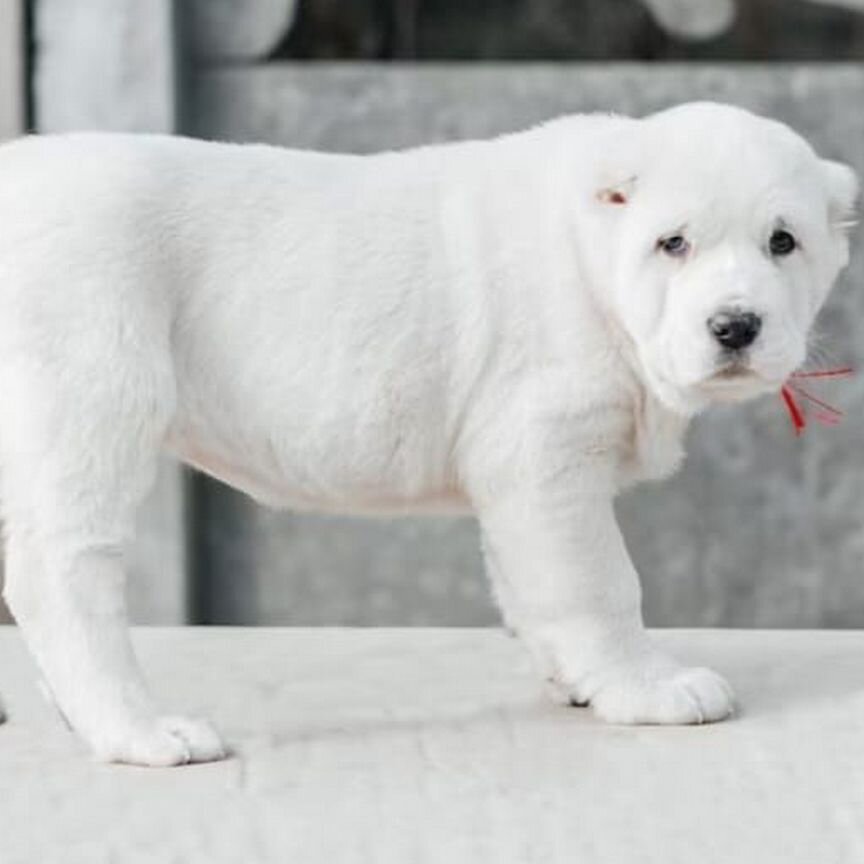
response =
{"points": [[516, 327]]}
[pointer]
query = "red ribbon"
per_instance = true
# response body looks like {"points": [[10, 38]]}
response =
{"points": [[825, 414]]}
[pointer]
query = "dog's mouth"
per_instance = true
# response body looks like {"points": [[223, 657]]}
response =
{"points": [[734, 378], [735, 373]]}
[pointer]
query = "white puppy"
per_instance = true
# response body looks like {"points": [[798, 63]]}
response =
{"points": [[518, 327]]}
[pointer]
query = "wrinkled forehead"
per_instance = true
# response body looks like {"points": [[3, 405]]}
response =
{"points": [[735, 169], [718, 129]]}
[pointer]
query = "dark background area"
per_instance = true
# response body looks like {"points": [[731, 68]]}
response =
{"points": [[561, 30]]}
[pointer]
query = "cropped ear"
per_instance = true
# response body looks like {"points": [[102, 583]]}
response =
{"points": [[617, 193], [842, 184]]}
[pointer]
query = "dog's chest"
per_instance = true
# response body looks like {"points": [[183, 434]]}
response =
{"points": [[656, 442]]}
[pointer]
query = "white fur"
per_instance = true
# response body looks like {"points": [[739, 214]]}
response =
{"points": [[485, 325]]}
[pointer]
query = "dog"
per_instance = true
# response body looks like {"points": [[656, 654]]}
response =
{"points": [[518, 328]]}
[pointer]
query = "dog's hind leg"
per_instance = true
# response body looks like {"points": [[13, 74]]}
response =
{"points": [[2, 712], [78, 454]]}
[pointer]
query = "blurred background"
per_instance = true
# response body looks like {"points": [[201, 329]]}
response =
{"points": [[760, 529]]}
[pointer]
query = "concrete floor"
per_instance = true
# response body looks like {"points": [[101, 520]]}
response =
{"points": [[438, 746]]}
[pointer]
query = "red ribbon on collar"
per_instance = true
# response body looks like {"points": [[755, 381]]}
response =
{"points": [[824, 413]]}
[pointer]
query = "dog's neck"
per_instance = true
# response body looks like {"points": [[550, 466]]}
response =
{"points": [[656, 446]]}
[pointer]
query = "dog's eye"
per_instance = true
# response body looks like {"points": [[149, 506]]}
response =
{"points": [[782, 243], [675, 245]]}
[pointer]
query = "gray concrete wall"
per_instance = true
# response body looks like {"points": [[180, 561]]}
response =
{"points": [[759, 529], [12, 68], [12, 106]]}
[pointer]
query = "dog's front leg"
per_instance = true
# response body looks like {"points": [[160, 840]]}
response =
{"points": [[567, 587]]}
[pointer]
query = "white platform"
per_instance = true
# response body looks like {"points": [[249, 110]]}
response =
{"points": [[422, 746]]}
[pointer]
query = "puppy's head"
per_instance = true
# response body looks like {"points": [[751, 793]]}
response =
{"points": [[727, 233]]}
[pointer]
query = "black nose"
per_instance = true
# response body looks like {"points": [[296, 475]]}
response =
{"points": [[735, 330]]}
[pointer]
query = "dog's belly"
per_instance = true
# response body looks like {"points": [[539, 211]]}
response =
{"points": [[280, 490], [321, 445]]}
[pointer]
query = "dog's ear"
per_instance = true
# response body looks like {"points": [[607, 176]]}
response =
{"points": [[842, 183], [617, 194]]}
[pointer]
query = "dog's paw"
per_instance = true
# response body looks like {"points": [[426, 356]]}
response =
{"points": [[165, 742], [666, 695]]}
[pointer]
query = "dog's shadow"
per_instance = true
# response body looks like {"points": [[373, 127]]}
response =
{"points": [[770, 691], [803, 680]]}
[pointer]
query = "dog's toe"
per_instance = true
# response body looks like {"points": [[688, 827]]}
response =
{"points": [[201, 739], [681, 695], [166, 742]]}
